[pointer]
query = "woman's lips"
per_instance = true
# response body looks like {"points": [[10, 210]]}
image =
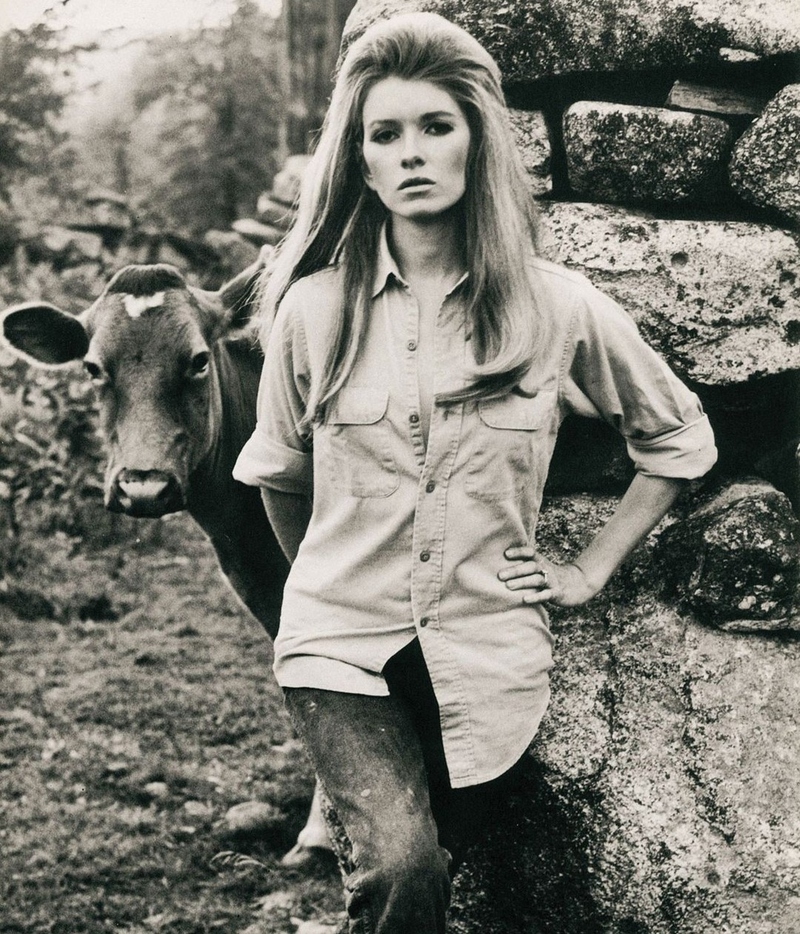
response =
{"points": [[414, 183]]}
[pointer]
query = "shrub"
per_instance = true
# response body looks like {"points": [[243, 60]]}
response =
{"points": [[50, 452]]}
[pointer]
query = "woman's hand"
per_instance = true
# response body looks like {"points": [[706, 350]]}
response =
{"points": [[542, 581], [645, 502]]}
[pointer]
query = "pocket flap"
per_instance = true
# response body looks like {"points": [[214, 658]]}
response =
{"points": [[359, 405], [517, 412]]}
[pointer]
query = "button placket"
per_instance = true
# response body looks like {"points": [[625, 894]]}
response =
{"points": [[412, 387], [429, 526]]}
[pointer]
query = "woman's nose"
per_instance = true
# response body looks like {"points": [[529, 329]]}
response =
{"points": [[411, 162], [411, 154]]}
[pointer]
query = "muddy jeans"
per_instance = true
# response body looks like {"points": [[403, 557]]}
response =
{"points": [[381, 764]]}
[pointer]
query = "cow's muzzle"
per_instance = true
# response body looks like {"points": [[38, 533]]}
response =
{"points": [[145, 494]]}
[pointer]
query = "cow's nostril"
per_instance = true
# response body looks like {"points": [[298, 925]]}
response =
{"points": [[146, 493]]}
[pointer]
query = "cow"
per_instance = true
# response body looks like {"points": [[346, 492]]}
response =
{"points": [[176, 371]]}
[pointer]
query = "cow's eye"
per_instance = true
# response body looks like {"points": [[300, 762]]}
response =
{"points": [[199, 365], [95, 371]]}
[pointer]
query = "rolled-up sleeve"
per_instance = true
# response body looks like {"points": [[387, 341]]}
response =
{"points": [[278, 453], [610, 372]]}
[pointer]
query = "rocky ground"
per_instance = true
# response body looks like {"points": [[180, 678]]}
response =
{"points": [[136, 708]]}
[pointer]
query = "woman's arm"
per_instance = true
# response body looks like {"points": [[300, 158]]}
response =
{"points": [[646, 501], [289, 515]]}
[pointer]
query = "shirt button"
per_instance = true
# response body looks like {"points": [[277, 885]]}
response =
{"points": [[412, 345], [424, 556], [424, 621], [430, 486], [413, 418]]}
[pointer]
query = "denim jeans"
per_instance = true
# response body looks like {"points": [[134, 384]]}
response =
{"points": [[381, 764]]}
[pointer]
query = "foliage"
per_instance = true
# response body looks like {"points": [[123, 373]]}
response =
{"points": [[49, 449], [31, 62], [50, 452], [215, 97], [208, 105]]}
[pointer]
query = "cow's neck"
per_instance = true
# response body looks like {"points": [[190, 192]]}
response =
{"points": [[238, 367], [230, 513]]}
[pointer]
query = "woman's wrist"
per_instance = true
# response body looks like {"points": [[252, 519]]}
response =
{"points": [[595, 580]]}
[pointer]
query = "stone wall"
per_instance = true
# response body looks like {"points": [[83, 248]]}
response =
{"points": [[662, 141], [72, 259]]}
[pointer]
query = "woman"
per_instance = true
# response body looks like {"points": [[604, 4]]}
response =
{"points": [[420, 362]]}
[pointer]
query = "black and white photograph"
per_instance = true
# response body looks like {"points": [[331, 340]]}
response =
{"points": [[399, 467]]}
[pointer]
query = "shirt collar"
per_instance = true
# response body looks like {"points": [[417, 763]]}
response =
{"points": [[386, 267]]}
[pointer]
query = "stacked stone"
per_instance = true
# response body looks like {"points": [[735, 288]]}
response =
{"points": [[103, 236], [662, 141], [276, 207], [239, 246]]}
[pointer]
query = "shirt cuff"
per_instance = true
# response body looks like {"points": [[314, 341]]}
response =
{"points": [[264, 462], [686, 453]]}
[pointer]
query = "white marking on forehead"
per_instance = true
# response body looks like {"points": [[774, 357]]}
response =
{"points": [[137, 305]]}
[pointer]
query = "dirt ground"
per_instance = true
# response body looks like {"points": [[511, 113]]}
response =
{"points": [[136, 707]]}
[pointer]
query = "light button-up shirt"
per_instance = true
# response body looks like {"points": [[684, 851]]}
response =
{"points": [[406, 538]]}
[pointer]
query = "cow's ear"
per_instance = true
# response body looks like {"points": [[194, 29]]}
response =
{"points": [[44, 334], [240, 295]]}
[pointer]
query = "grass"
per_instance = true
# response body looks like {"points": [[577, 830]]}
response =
{"points": [[125, 738]]}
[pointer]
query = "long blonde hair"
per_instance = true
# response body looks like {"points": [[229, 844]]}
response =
{"points": [[339, 218]]}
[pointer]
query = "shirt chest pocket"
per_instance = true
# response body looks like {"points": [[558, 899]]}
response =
{"points": [[359, 443], [509, 445]]}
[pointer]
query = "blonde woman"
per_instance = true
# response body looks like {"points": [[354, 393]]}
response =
{"points": [[420, 359]]}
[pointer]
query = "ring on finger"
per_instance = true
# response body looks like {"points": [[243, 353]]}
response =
{"points": [[545, 578]]}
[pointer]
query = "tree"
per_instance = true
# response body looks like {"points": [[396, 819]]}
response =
{"points": [[30, 99], [216, 98], [313, 37]]}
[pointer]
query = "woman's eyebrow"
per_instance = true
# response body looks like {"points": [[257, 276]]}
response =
{"points": [[430, 115], [383, 121]]}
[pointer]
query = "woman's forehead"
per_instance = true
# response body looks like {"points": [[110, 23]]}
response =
{"points": [[395, 98]]}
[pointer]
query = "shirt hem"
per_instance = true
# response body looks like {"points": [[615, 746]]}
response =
{"points": [[326, 674], [480, 777]]}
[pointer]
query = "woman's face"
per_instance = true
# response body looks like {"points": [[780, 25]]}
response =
{"points": [[416, 145]]}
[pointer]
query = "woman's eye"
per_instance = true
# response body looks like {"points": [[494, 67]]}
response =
{"points": [[438, 128], [383, 136]]}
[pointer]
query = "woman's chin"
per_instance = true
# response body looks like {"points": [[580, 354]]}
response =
{"points": [[425, 214]]}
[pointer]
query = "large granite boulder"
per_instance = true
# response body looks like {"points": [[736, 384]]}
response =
{"points": [[765, 166], [661, 791], [533, 142], [720, 300], [736, 560], [533, 39], [620, 153]]}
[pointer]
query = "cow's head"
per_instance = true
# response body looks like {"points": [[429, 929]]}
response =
{"points": [[150, 344]]}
